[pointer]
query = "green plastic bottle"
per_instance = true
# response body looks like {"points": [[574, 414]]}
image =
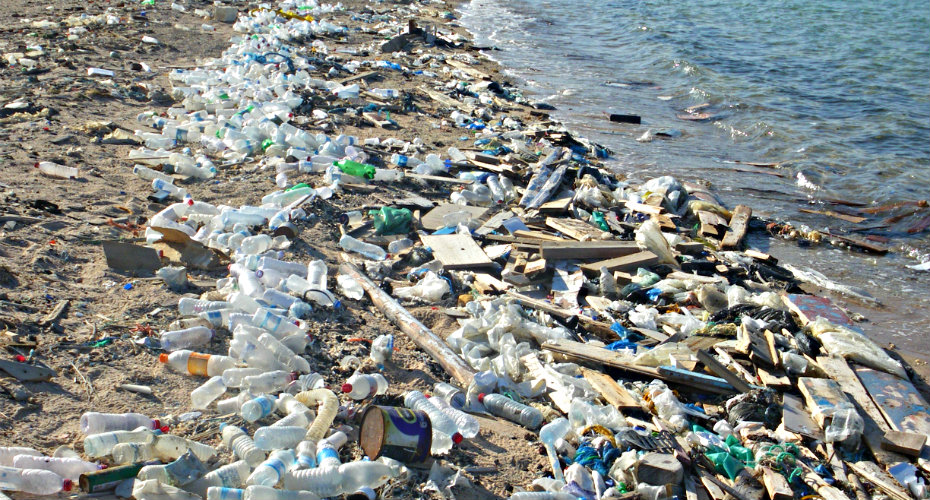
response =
{"points": [[355, 168]]}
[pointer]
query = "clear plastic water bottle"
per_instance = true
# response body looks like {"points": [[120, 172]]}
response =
{"points": [[542, 495], [287, 268], [95, 423], [303, 288], [502, 406], [184, 470], [362, 474], [467, 425], [148, 174], [294, 420], [349, 287], [66, 467], [227, 476], [363, 386], [255, 244], [257, 492], [445, 433], [202, 396], [285, 356], [195, 363], [277, 438], [241, 444], [187, 338], [257, 408], [52, 169], [220, 493], [451, 394], [128, 453], [233, 377], [269, 472], [98, 445], [170, 447], [268, 382], [367, 250], [497, 191], [33, 481], [306, 455], [8, 453], [274, 323]]}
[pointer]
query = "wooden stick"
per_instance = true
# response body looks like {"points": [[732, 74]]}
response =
{"points": [[413, 328]]}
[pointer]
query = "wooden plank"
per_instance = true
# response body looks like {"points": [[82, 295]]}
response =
{"points": [[906, 443], [710, 223], [630, 262], [874, 423], [796, 418], [611, 391], [699, 381], [599, 328], [643, 208], [770, 348], [25, 372], [456, 251], [739, 222], [598, 355], [776, 485], [537, 371], [494, 222], [537, 235], [448, 101], [437, 178], [690, 247], [809, 307], [832, 213], [873, 474], [432, 220], [587, 249], [360, 76], [822, 395], [721, 371], [579, 230], [856, 241], [559, 204], [777, 380], [898, 401], [485, 282]]}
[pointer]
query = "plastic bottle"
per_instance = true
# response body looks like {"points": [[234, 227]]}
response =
{"points": [[364, 474], [382, 348], [278, 437], [445, 432], [466, 424], [202, 396], [276, 324], [367, 250], [185, 469], [148, 174], [32, 481], [195, 363], [451, 394], [55, 170], [98, 445], [269, 472], [174, 191], [268, 382], [303, 288], [257, 492], [8, 453], [220, 493], [257, 408], [233, 377], [349, 287], [542, 495], [405, 161], [306, 455], [356, 169], [128, 453], [363, 386], [255, 244], [170, 447], [294, 420], [388, 175], [95, 423], [285, 356], [66, 467], [284, 267], [241, 444], [483, 382], [502, 406], [497, 191], [183, 339], [227, 476]]}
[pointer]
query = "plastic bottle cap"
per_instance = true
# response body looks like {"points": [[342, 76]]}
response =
{"points": [[457, 438], [156, 423], [163, 357], [67, 484], [481, 398], [346, 388]]}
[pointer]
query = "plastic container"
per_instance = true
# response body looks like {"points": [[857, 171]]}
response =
{"points": [[233, 377], [382, 348], [129, 453], [366, 250], [502, 406], [195, 363], [220, 493], [445, 432], [255, 244], [55, 170], [170, 447], [329, 406], [202, 396], [98, 445], [363, 386], [257, 408], [8, 453], [227, 476], [467, 425], [256, 492], [186, 469], [278, 438], [95, 423], [187, 338], [268, 382], [66, 467], [269, 472], [241, 444], [349, 287], [286, 356], [32, 481], [451, 394]]}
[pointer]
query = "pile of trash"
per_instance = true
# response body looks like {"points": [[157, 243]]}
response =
{"points": [[622, 323]]}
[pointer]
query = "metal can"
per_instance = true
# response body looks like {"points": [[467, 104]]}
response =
{"points": [[396, 432]]}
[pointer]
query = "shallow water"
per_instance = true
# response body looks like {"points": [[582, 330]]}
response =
{"points": [[835, 94]]}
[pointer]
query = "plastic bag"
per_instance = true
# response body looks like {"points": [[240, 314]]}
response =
{"points": [[649, 237], [644, 317], [660, 356], [430, 288], [845, 427], [852, 345]]}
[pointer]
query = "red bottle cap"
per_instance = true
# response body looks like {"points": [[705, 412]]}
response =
{"points": [[481, 398], [66, 486], [457, 438], [346, 388], [163, 357], [155, 423]]}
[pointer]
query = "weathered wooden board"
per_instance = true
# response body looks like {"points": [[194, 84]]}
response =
{"points": [[822, 395], [626, 263], [906, 443], [774, 379], [587, 249], [432, 220], [776, 485], [721, 371], [796, 418], [598, 355], [612, 392], [573, 228], [456, 251], [899, 402], [739, 222]]}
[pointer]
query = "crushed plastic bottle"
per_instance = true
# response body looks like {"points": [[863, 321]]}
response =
{"points": [[502, 406], [445, 432]]}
